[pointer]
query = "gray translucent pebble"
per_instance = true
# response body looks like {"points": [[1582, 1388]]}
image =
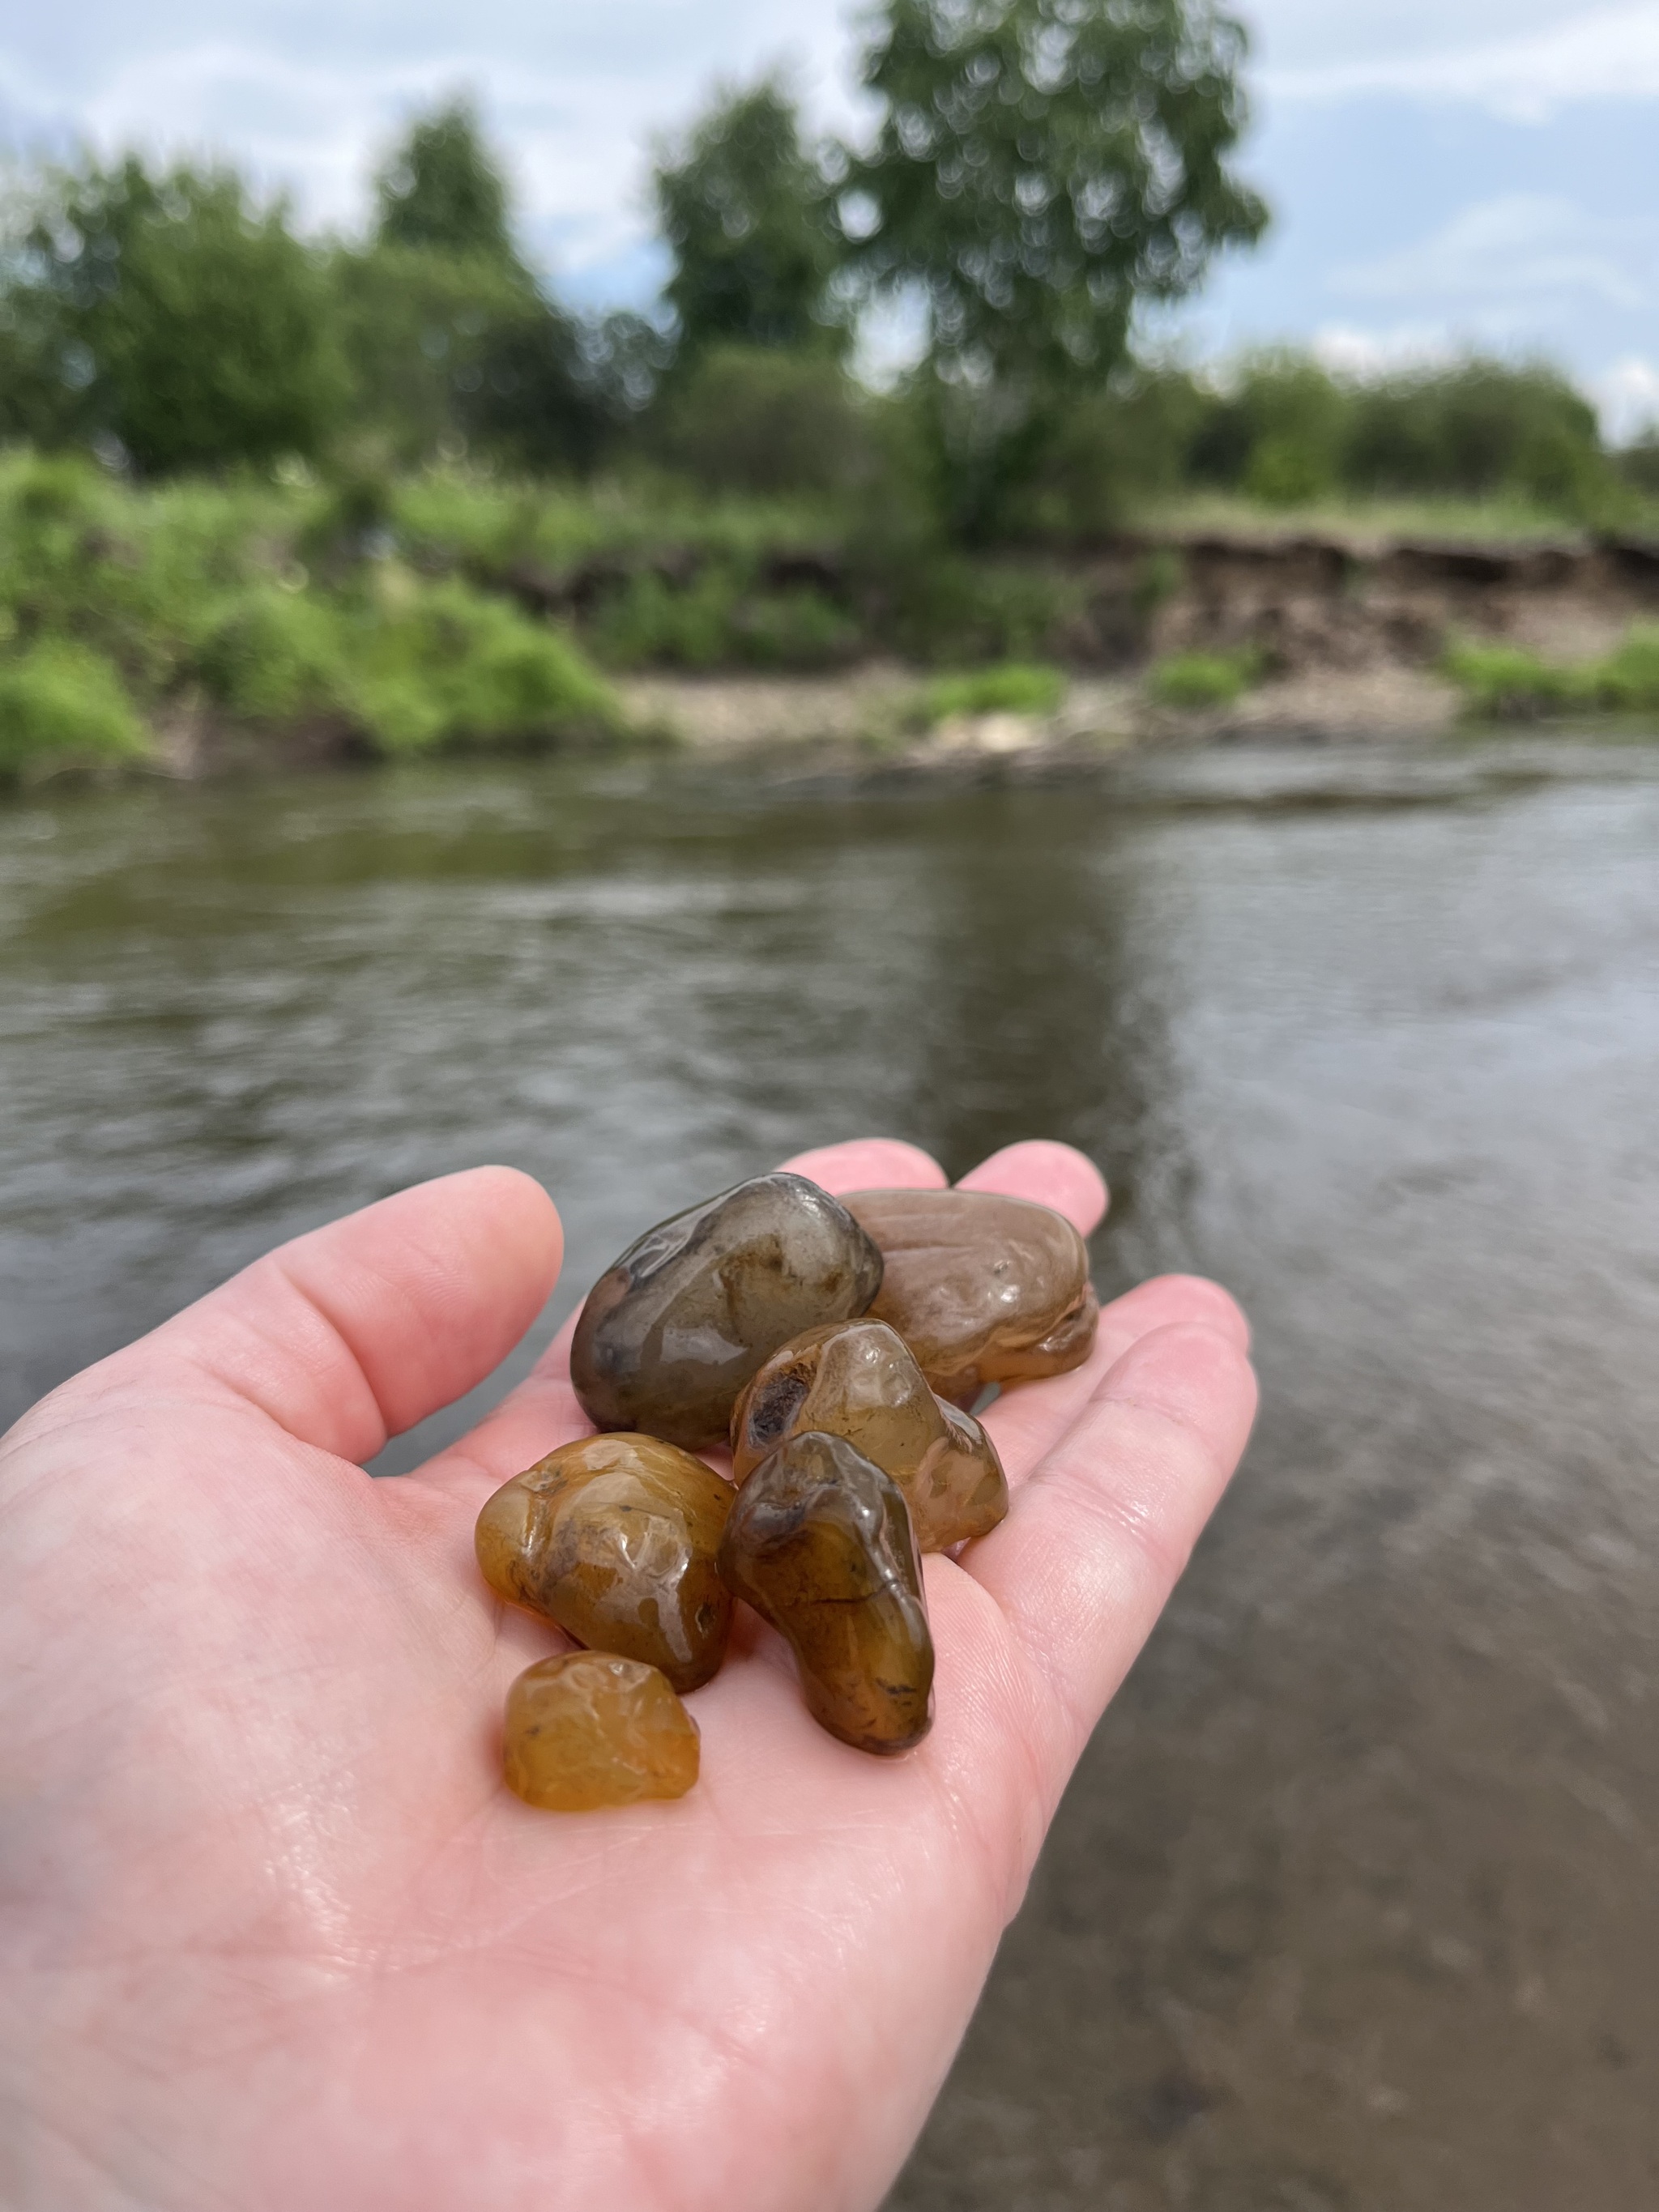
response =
{"points": [[672, 1332]]}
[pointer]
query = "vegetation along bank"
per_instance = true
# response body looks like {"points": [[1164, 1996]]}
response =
{"points": [[267, 496]]}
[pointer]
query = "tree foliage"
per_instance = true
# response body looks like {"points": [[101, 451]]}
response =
{"points": [[167, 312], [451, 338], [1042, 169], [746, 215], [441, 192]]}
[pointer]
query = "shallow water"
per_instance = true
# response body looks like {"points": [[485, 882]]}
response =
{"points": [[1353, 1906]]}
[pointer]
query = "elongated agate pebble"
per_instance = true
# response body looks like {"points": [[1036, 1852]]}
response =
{"points": [[857, 1379], [982, 1288], [588, 1729], [819, 1542], [614, 1538], [671, 1334]]}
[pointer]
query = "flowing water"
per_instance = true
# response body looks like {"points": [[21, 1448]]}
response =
{"points": [[1354, 1904]]}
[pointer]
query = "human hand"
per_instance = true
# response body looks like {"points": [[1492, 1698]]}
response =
{"points": [[275, 1937]]}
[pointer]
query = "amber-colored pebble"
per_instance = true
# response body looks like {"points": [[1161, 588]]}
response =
{"points": [[674, 1329], [857, 1379], [819, 1542], [982, 1288], [589, 1729], [614, 1538]]}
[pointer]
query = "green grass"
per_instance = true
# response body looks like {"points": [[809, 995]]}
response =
{"points": [[1507, 519], [1194, 681], [1012, 687], [63, 705], [115, 602], [411, 666], [442, 666], [1505, 682], [491, 522], [718, 619]]}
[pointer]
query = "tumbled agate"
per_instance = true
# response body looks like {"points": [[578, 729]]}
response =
{"points": [[857, 1379], [614, 1538], [819, 1542], [590, 1728], [982, 1288], [672, 1332]]}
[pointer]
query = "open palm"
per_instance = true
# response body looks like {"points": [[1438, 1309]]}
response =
{"points": [[273, 1936]]}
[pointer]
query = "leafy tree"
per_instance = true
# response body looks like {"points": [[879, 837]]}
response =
{"points": [[167, 312], [1283, 429], [558, 392], [760, 420], [1042, 168], [1479, 425], [1126, 443], [444, 347], [1638, 464], [1278, 430], [746, 215], [442, 192], [450, 334]]}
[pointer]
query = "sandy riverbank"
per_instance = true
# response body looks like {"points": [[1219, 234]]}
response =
{"points": [[870, 711]]}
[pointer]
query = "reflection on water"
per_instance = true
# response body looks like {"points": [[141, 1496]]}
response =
{"points": [[1353, 1906]]}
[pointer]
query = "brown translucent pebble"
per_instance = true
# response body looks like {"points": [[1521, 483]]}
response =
{"points": [[857, 1379], [982, 1288], [819, 1542], [614, 1538], [589, 1729], [673, 1332]]}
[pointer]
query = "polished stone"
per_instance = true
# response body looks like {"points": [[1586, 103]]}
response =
{"points": [[589, 1729], [671, 1334], [982, 1288], [857, 1379], [615, 1539], [819, 1542]]}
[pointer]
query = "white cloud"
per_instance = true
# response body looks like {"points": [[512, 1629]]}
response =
{"points": [[1627, 395], [577, 122], [1314, 34], [1347, 351], [1605, 53], [1511, 251]]}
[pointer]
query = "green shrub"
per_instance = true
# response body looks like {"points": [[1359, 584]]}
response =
{"points": [[1111, 451], [651, 623], [1013, 688], [61, 703], [1638, 464], [272, 656], [1159, 575], [1196, 680], [753, 419], [941, 607], [798, 628], [1287, 471], [185, 319], [1478, 425], [716, 620], [1628, 679], [441, 665], [1506, 681], [1278, 430]]}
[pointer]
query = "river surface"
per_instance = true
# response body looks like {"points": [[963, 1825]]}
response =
{"points": [[1354, 1904]]}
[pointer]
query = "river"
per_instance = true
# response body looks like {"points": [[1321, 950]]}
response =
{"points": [[1354, 1903]]}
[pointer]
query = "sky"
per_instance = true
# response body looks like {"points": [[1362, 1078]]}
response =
{"points": [[1444, 173]]}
